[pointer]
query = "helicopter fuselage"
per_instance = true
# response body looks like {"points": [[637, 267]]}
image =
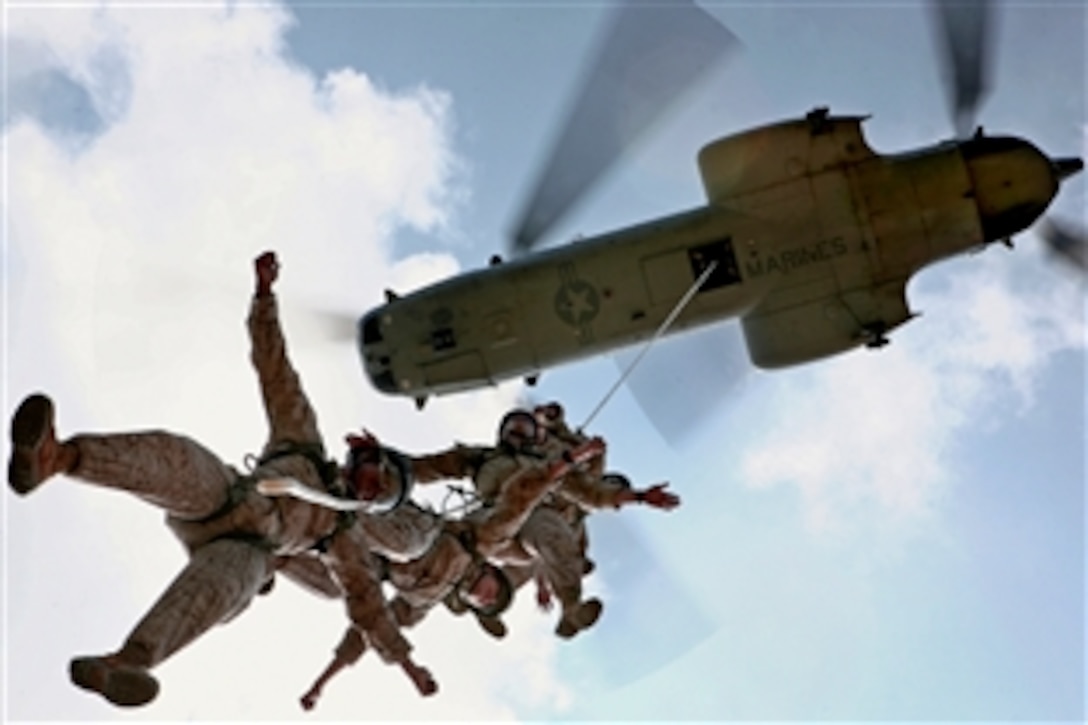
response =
{"points": [[813, 235]]}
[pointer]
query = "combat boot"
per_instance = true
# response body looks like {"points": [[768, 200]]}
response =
{"points": [[35, 453], [579, 617], [492, 625], [122, 684]]}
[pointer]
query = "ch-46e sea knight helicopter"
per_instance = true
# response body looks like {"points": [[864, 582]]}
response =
{"points": [[808, 235]]}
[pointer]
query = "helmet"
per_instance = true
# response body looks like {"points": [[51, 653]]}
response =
{"points": [[461, 594], [549, 413], [518, 429], [379, 476], [617, 480]]}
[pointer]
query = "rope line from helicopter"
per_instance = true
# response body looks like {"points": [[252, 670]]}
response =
{"points": [[688, 296]]}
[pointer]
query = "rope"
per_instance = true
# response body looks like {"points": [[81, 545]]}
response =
{"points": [[649, 343], [469, 501], [291, 487]]}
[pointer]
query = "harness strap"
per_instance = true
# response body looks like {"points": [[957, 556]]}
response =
{"points": [[236, 493], [344, 520], [327, 470], [329, 473], [383, 567]]}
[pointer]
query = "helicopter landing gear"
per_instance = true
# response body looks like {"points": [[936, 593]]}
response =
{"points": [[875, 335]]}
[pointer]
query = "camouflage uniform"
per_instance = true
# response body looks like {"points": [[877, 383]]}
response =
{"points": [[584, 489], [407, 532], [234, 535], [423, 582], [547, 542]]}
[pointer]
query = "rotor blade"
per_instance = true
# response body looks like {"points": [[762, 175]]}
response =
{"points": [[685, 379], [1066, 243], [648, 57], [329, 325], [965, 27], [643, 596]]}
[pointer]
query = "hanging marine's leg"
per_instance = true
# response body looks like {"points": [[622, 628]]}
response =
{"points": [[167, 470], [122, 684], [36, 455], [218, 583], [560, 562]]}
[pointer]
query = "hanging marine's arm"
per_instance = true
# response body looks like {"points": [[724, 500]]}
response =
{"points": [[409, 613], [351, 648], [310, 573], [424, 582], [591, 492], [290, 415], [520, 494], [354, 568], [420, 584], [587, 486], [458, 462]]}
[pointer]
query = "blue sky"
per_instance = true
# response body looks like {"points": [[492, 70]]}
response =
{"points": [[895, 535]]}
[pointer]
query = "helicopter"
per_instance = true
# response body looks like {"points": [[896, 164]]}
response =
{"points": [[807, 235]]}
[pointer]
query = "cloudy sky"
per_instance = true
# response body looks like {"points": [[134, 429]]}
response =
{"points": [[881, 536]]}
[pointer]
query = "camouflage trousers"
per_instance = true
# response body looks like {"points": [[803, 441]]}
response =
{"points": [[557, 552], [188, 481]]}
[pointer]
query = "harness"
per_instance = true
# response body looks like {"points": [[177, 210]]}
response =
{"points": [[244, 483], [344, 520], [466, 537], [327, 470]]}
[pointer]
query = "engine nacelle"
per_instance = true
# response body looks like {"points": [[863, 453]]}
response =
{"points": [[782, 335]]}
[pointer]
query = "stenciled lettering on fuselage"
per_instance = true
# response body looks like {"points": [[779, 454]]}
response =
{"points": [[577, 302], [788, 259]]}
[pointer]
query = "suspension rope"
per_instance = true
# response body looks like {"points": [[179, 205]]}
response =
{"points": [[470, 501], [649, 343], [291, 487]]}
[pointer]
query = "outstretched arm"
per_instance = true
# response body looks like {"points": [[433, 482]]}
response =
{"points": [[454, 463], [655, 496], [352, 565], [290, 415], [309, 573], [521, 493], [351, 648]]}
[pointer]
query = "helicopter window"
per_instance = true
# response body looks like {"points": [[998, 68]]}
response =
{"points": [[725, 273], [443, 339]]}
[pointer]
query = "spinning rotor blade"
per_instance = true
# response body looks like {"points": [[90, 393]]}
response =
{"points": [[649, 56], [331, 326], [650, 600], [1066, 243], [686, 379], [965, 28]]}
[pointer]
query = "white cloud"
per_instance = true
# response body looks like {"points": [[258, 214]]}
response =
{"points": [[126, 282], [873, 436]]}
